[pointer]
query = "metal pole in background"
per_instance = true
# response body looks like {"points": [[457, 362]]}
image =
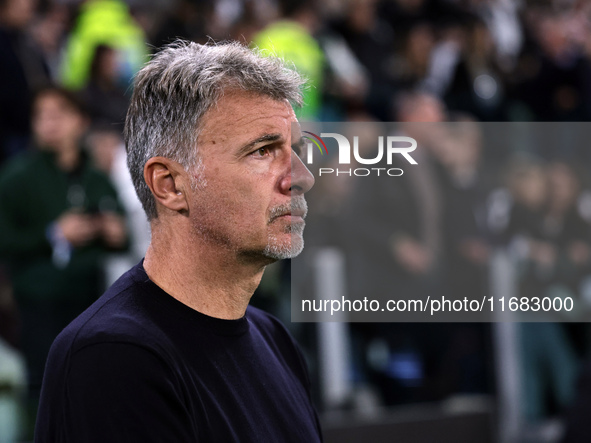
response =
{"points": [[333, 332], [506, 349]]}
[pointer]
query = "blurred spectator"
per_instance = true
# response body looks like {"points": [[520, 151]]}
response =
{"points": [[554, 72], [347, 92], [466, 182], [108, 152], [371, 40], [465, 224], [23, 70], [187, 19], [477, 83], [528, 189], [404, 246], [48, 30], [105, 22], [58, 216], [416, 241], [564, 226], [412, 63], [292, 38], [105, 98], [399, 252], [405, 14], [245, 26], [543, 209], [502, 20], [546, 229]]}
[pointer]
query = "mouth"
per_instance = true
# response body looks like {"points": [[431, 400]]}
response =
{"points": [[293, 212], [292, 216]]}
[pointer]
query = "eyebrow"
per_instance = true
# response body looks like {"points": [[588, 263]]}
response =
{"points": [[267, 138]]}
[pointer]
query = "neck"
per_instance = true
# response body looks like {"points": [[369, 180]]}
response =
{"points": [[206, 277], [68, 156]]}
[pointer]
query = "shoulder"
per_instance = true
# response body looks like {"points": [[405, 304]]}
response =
{"points": [[105, 380], [19, 166], [120, 315]]}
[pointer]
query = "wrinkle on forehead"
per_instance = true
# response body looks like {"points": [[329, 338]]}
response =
{"points": [[241, 108], [235, 98]]}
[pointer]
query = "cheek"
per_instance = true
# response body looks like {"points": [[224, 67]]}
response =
{"points": [[240, 191], [75, 127], [243, 201]]}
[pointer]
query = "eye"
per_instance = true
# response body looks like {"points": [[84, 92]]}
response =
{"points": [[261, 152]]}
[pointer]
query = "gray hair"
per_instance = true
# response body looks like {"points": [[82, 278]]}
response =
{"points": [[174, 90]]}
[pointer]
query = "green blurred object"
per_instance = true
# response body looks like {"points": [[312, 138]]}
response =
{"points": [[106, 22], [292, 42]]}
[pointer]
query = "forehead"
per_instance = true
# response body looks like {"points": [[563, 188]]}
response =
{"points": [[54, 100], [239, 115]]}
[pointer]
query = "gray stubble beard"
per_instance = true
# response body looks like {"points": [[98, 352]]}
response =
{"points": [[277, 251]]}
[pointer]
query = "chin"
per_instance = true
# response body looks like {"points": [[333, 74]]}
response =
{"points": [[278, 250]]}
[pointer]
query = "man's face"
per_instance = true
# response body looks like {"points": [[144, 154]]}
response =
{"points": [[249, 184]]}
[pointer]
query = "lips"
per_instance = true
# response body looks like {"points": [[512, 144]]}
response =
{"points": [[301, 214], [298, 214], [295, 209]]}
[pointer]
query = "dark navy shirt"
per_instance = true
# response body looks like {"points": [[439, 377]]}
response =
{"points": [[140, 366]]}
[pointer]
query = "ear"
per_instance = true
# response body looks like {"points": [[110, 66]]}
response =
{"points": [[166, 179]]}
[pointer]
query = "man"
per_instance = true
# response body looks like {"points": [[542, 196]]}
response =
{"points": [[171, 352]]}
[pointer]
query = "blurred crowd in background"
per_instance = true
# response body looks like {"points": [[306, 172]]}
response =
{"points": [[70, 222]]}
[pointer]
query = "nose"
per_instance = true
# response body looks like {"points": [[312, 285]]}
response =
{"points": [[300, 180]]}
